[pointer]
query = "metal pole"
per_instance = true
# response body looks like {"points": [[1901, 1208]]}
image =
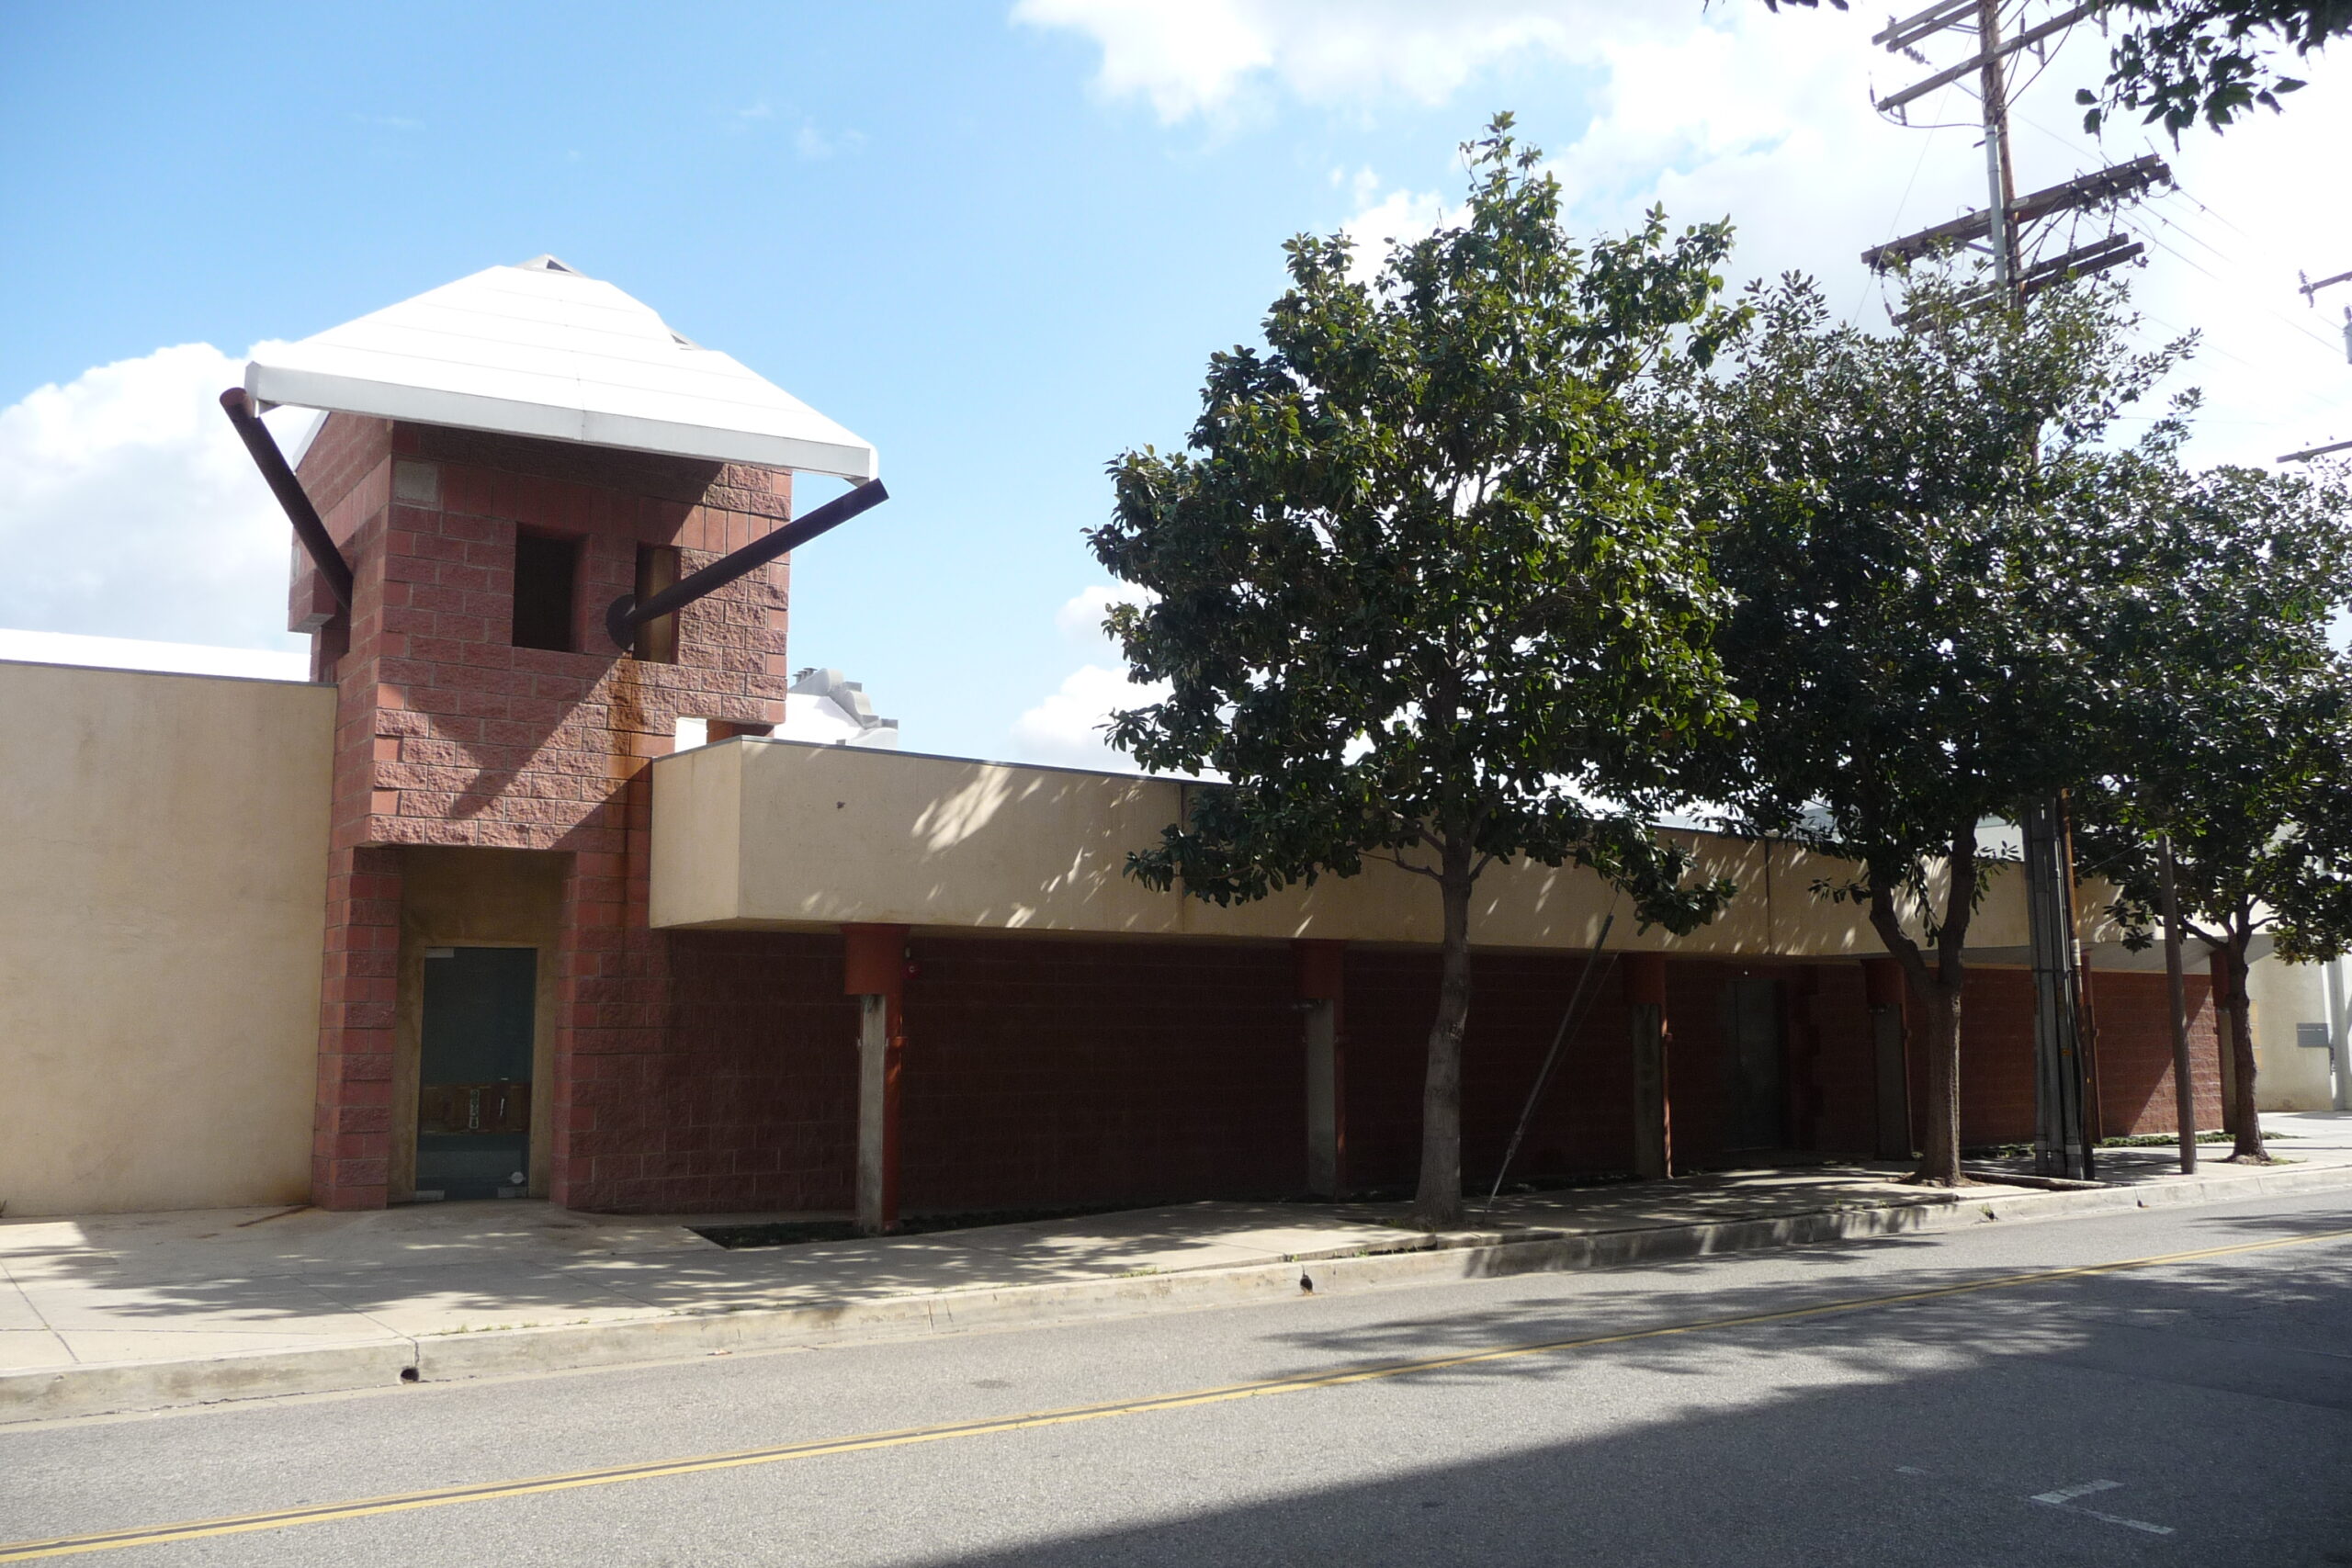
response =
{"points": [[1551, 1057], [2001, 223], [626, 614], [2059, 1145], [2340, 1041], [2184, 1095]]}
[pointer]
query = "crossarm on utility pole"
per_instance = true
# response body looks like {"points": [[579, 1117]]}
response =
{"points": [[1902, 35], [2032, 35], [2308, 289], [2101, 186]]}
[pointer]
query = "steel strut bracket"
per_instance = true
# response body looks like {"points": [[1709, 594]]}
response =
{"points": [[239, 406], [623, 617]]}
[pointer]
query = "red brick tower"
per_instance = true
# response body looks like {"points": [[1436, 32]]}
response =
{"points": [[483, 706]]}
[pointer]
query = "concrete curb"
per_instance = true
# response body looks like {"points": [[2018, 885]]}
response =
{"points": [[50, 1393]]}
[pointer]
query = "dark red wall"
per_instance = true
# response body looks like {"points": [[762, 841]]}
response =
{"points": [[1041, 1071], [2133, 1050]]}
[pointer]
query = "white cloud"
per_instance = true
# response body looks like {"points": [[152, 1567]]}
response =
{"points": [[1081, 619], [1397, 219], [128, 507], [1729, 109], [813, 145], [1767, 120], [1066, 727], [1192, 58]]}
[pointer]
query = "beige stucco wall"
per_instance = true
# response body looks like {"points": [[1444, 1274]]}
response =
{"points": [[787, 834], [163, 888], [2289, 1076]]}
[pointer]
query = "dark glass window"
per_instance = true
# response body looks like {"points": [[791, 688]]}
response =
{"points": [[545, 571]]}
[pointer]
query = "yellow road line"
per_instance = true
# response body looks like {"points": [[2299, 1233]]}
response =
{"points": [[441, 1497]]}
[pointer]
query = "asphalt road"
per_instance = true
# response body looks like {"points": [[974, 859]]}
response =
{"points": [[1743, 1410]]}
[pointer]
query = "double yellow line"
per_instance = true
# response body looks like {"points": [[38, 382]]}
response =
{"points": [[448, 1496]]}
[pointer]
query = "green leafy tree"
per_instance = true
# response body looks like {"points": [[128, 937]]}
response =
{"points": [[2179, 62], [1890, 509], [1422, 590], [2227, 716]]}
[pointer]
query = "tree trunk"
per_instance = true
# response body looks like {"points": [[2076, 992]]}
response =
{"points": [[1940, 1139], [1939, 991], [1438, 1205], [2239, 1011]]}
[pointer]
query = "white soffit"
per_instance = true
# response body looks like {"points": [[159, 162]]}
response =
{"points": [[540, 350]]}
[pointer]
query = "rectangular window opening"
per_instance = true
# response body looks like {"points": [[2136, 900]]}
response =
{"points": [[545, 572], [657, 567]]}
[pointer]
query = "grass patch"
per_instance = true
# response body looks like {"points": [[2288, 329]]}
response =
{"points": [[2128, 1141]]}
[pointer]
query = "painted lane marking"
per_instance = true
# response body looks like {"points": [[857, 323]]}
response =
{"points": [[440, 1497], [2064, 1498]]}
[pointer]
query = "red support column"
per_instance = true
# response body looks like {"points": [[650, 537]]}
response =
{"points": [[875, 971], [1643, 975], [1321, 995]]}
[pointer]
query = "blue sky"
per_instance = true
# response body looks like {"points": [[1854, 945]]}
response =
{"points": [[997, 246]]}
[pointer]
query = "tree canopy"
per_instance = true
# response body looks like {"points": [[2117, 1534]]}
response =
{"points": [[2226, 716], [1422, 589], [1892, 513]]}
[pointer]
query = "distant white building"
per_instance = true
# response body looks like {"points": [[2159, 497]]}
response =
{"points": [[821, 707], [824, 708]]}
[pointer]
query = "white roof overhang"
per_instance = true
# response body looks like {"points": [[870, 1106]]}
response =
{"points": [[540, 350]]}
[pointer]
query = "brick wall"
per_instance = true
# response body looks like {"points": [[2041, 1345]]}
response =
{"points": [[1042, 1071], [2133, 1046], [1047, 1071], [351, 1129], [449, 735], [1585, 1120], [1843, 1072], [752, 1103], [2134, 1053]]}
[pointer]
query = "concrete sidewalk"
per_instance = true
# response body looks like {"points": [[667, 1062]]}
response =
{"points": [[140, 1311]]}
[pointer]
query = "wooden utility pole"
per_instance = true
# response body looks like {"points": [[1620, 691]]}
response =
{"points": [[2063, 1138], [2184, 1093], [2000, 175]]}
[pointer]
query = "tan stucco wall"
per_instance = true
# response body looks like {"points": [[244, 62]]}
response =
{"points": [[162, 891], [2289, 1076], [779, 833]]}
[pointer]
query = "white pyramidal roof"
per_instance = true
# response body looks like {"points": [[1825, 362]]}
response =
{"points": [[540, 350]]}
